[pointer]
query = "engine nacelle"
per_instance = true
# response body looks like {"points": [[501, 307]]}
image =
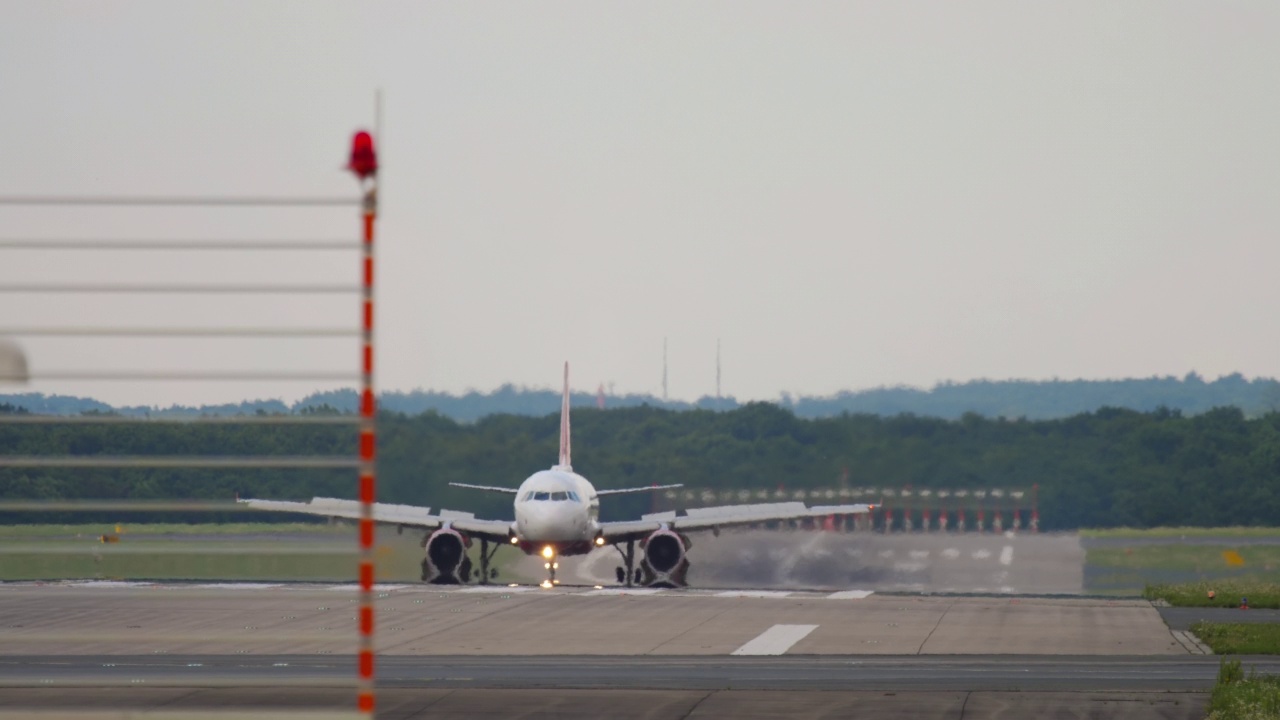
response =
{"points": [[666, 563], [446, 561]]}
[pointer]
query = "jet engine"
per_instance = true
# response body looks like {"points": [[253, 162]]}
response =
{"points": [[665, 561], [446, 561]]}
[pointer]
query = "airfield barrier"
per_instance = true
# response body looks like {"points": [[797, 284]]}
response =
{"points": [[47, 345]]}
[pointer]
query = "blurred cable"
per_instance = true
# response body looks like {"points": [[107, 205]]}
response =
{"points": [[210, 375], [211, 462], [165, 288], [314, 245], [243, 332], [179, 201], [24, 419]]}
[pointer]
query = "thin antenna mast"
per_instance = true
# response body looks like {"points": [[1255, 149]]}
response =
{"points": [[717, 373], [664, 369]]}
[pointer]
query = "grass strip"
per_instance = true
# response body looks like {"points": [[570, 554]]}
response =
{"points": [[1239, 697], [1227, 593], [1239, 638], [1179, 532]]}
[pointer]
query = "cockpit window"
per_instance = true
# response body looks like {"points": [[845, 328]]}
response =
{"points": [[528, 495], [574, 496], [542, 496], [559, 496]]}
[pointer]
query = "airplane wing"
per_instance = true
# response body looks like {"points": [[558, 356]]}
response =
{"points": [[390, 514], [488, 488], [637, 489], [711, 518]]}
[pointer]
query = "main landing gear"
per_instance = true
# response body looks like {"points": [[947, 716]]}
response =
{"points": [[486, 555], [631, 573]]}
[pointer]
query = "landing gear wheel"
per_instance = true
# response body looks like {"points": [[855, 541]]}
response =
{"points": [[628, 557]]}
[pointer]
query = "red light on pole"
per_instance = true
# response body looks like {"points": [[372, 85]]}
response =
{"points": [[364, 159]]}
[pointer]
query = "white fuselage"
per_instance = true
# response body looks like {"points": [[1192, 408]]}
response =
{"points": [[556, 506]]}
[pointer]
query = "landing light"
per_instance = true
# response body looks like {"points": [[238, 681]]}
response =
{"points": [[599, 541], [545, 584], [548, 552], [515, 540]]}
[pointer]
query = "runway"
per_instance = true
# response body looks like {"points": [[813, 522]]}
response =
{"points": [[838, 647], [658, 688], [413, 620], [986, 673], [197, 703]]}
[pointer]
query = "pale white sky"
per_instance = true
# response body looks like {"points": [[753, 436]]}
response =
{"points": [[848, 194]]}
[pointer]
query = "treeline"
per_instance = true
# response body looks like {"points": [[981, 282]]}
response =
{"points": [[1112, 467], [1036, 400]]}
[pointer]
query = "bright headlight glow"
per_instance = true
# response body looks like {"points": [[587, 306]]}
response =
{"points": [[514, 540], [548, 552], [599, 541]]}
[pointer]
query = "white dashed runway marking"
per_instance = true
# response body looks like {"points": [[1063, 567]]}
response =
{"points": [[623, 591], [776, 640], [1006, 555], [496, 589], [239, 586], [754, 594], [850, 595]]}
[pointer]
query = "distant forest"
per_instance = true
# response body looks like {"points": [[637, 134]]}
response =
{"points": [[1109, 467], [1034, 400]]}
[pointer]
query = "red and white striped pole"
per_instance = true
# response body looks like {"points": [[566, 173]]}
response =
{"points": [[364, 164]]}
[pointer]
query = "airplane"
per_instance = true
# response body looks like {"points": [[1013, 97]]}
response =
{"points": [[557, 514]]}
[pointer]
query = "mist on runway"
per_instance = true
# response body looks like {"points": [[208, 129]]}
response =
{"points": [[919, 562]]}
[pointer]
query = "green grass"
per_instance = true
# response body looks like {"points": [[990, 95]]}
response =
{"points": [[1237, 697], [1261, 594], [1239, 638], [1215, 559], [258, 553], [1179, 532]]}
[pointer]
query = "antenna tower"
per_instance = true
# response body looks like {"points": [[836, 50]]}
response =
{"points": [[717, 372], [664, 369]]}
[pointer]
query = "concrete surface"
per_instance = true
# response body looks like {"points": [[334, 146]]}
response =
{"points": [[811, 672], [592, 704], [107, 619]]}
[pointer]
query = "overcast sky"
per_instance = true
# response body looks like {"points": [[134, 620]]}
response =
{"points": [[847, 194]]}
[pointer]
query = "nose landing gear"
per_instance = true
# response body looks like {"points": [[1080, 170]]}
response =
{"points": [[551, 565]]}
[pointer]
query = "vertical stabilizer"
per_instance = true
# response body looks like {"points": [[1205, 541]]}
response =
{"points": [[565, 462]]}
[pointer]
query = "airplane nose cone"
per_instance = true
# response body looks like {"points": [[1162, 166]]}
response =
{"points": [[553, 522]]}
